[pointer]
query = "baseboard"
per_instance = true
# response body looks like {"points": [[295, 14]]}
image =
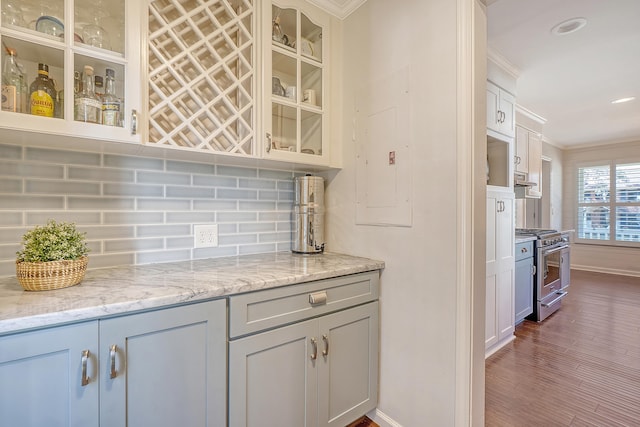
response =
{"points": [[498, 346], [382, 419], [593, 269]]}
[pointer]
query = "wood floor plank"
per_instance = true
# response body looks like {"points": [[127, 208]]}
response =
{"points": [[580, 367]]}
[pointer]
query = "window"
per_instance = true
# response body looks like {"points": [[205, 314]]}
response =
{"points": [[609, 202]]}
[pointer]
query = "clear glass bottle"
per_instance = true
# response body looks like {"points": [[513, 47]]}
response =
{"points": [[12, 84], [110, 102], [42, 93], [88, 107]]}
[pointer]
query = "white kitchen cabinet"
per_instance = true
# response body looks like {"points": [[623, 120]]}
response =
{"points": [[528, 159], [500, 110], [500, 265], [296, 37], [202, 75], [168, 368], [105, 35], [524, 273], [320, 370]]}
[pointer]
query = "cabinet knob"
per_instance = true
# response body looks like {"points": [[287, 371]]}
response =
{"points": [[524, 250]]}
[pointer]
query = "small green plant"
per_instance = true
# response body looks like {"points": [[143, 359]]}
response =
{"points": [[55, 241]]}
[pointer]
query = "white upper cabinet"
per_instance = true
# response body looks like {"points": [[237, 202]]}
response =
{"points": [[296, 94], [500, 110], [65, 37], [202, 75]]}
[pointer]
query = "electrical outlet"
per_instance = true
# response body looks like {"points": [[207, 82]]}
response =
{"points": [[205, 236]]}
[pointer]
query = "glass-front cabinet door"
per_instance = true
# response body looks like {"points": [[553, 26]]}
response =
{"points": [[296, 119], [71, 67]]}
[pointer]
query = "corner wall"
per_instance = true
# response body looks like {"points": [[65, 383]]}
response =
{"points": [[418, 301]]}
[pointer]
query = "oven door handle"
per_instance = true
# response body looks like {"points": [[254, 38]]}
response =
{"points": [[561, 295], [554, 250]]}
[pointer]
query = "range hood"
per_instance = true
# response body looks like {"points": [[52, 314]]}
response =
{"points": [[520, 180]]}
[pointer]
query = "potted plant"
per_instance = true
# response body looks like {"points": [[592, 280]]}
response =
{"points": [[54, 256]]}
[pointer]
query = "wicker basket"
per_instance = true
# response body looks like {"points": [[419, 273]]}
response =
{"points": [[45, 276]]}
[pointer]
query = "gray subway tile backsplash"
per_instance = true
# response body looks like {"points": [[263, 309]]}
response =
{"points": [[10, 185], [101, 174], [62, 156], [138, 210], [10, 152], [131, 162], [30, 170]]}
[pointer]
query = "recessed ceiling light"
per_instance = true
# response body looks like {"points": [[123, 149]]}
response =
{"points": [[621, 100], [569, 26]]}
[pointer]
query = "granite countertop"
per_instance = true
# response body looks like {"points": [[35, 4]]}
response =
{"points": [[118, 290]]}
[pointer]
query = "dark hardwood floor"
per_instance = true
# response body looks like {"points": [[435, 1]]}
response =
{"points": [[580, 367]]}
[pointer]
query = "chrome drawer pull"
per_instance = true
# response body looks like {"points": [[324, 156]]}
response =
{"points": [[317, 298], [325, 352], [112, 355], [85, 360]]}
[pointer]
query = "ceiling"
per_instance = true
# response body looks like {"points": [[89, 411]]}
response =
{"points": [[571, 79]]}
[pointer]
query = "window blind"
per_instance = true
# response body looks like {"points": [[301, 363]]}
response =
{"points": [[609, 202]]}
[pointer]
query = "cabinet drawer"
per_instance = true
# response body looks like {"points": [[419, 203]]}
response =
{"points": [[524, 250], [256, 311]]}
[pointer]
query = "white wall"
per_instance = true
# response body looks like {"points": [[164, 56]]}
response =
{"points": [[609, 259], [556, 184], [418, 296]]}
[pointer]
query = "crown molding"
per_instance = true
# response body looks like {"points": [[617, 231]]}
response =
{"points": [[530, 114], [503, 63], [338, 8]]}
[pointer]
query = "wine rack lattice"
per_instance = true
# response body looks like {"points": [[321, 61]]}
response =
{"points": [[201, 74]]}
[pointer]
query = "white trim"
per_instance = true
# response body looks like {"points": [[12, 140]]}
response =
{"points": [[464, 373], [605, 270], [503, 63], [530, 114], [382, 419]]}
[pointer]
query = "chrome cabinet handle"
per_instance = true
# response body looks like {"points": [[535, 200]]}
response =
{"points": [[317, 298], [112, 355], [314, 343], [533, 270], [325, 352], [269, 142], [134, 122], [84, 361]]}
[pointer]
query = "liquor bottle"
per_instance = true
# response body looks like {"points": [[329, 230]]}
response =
{"points": [[43, 94], [12, 79], [88, 107], [98, 86], [110, 102]]}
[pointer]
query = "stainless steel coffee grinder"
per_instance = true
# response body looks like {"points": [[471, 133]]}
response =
{"points": [[308, 215]]}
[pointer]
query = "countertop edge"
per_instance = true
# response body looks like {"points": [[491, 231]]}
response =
{"points": [[199, 288]]}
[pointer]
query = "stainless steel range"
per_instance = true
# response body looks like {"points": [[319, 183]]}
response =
{"points": [[552, 270]]}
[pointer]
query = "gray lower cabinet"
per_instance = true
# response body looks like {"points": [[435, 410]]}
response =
{"points": [[524, 274], [160, 368], [41, 377], [321, 371]]}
